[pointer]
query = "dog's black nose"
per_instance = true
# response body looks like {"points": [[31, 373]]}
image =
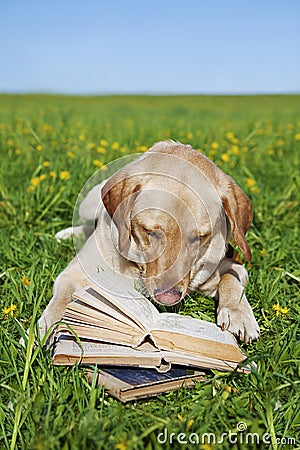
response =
{"points": [[167, 298]]}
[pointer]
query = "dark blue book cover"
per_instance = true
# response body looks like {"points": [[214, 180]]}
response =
{"points": [[140, 376]]}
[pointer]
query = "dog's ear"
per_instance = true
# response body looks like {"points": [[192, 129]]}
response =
{"points": [[238, 209], [118, 196]]}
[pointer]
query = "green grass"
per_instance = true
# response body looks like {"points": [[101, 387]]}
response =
{"points": [[46, 407]]}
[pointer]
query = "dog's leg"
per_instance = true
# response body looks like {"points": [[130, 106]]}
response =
{"points": [[71, 279], [66, 233], [234, 312]]}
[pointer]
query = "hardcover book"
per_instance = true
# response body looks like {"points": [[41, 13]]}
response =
{"points": [[129, 383]]}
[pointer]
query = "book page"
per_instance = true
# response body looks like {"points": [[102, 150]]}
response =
{"points": [[194, 336], [69, 351], [70, 346], [99, 333], [190, 326], [121, 293], [93, 301], [84, 312], [198, 361]]}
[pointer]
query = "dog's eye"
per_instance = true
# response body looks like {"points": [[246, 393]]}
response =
{"points": [[199, 238], [153, 234], [195, 239]]}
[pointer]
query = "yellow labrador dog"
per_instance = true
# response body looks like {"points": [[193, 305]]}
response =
{"points": [[165, 219]]}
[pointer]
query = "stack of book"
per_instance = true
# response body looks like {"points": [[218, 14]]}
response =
{"points": [[138, 350]]}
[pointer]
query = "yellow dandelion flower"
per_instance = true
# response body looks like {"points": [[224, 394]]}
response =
{"points": [[271, 151], [47, 127], [91, 145], [225, 157], [103, 142], [82, 137], [71, 154], [229, 135], [180, 417], [189, 424], [121, 446], [235, 140], [98, 163], [255, 190], [250, 182], [142, 148], [18, 151], [52, 174], [9, 310], [115, 146], [30, 189], [226, 392], [235, 150], [64, 175], [189, 135], [42, 177], [297, 137], [39, 148], [206, 447], [35, 181], [26, 281], [215, 145], [279, 309], [101, 150], [46, 163]]}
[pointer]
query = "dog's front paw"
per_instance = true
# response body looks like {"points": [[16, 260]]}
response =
{"points": [[239, 320], [41, 332]]}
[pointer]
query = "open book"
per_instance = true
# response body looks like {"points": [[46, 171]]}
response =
{"points": [[110, 323]]}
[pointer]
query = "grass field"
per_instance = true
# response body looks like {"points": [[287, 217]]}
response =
{"points": [[49, 147]]}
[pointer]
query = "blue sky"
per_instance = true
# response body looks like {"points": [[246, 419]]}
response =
{"points": [[150, 46]]}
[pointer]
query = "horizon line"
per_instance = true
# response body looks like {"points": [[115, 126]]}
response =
{"points": [[151, 94]]}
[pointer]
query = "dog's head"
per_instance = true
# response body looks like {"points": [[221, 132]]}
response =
{"points": [[174, 210]]}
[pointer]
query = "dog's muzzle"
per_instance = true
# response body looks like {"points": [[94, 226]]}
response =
{"points": [[167, 298]]}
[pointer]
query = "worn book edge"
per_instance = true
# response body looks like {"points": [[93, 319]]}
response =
{"points": [[125, 391]]}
